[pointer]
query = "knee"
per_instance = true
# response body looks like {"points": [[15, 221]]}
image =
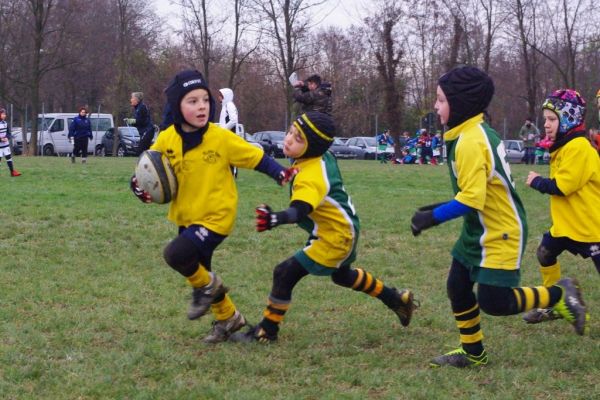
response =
{"points": [[181, 255], [545, 256], [494, 300]]}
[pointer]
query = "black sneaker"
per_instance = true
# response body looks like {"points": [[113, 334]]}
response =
{"points": [[571, 306], [405, 305], [203, 297], [253, 334], [460, 359]]}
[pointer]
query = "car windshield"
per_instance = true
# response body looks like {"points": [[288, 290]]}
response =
{"points": [[338, 142]]}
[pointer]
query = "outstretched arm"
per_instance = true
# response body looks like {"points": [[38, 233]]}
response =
{"points": [[435, 214], [269, 166], [267, 219]]}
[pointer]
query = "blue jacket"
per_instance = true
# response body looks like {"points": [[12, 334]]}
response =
{"points": [[80, 127], [143, 121]]}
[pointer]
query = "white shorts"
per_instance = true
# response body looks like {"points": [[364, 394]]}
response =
{"points": [[5, 151]]}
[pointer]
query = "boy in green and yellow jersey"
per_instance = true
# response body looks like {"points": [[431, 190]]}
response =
{"points": [[320, 205], [489, 249]]}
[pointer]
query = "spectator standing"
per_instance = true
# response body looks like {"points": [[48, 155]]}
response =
{"points": [[436, 144], [529, 134], [313, 95], [228, 118], [5, 143], [141, 120], [383, 141], [80, 131], [426, 145]]}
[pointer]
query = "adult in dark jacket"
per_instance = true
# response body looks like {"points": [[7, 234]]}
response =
{"points": [[141, 120], [80, 131], [313, 95]]}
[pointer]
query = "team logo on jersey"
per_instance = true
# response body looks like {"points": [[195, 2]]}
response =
{"points": [[211, 156], [594, 250]]}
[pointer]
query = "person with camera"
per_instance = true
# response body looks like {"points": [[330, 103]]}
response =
{"points": [[313, 95]]}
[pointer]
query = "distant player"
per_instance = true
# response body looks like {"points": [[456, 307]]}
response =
{"points": [[5, 137], [204, 209], [574, 189], [320, 205], [491, 244], [80, 132]]}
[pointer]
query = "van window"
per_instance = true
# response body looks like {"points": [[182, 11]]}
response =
{"points": [[58, 125], [101, 124], [46, 125]]}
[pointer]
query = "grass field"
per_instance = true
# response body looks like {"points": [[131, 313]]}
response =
{"points": [[89, 309]]}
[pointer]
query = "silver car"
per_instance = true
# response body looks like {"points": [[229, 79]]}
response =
{"points": [[515, 151]]}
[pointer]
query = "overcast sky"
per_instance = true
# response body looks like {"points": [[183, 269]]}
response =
{"points": [[342, 13]]}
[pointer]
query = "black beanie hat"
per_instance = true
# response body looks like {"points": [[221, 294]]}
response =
{"points": [[469, 92], [183, 83], [318, 129]]}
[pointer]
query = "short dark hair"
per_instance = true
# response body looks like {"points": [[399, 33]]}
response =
{"points": [[314, 78]]}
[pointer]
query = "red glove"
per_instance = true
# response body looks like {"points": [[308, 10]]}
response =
{"points": [[266, 219], [140, 193], [287, 175]]}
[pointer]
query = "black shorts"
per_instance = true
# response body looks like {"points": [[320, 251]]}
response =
{"points": [[556, 245], [205, 240]]}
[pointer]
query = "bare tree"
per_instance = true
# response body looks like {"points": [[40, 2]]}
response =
{"points": [[47, 37], [288, 28], [389, 56], [200, 32], [240, 28]]}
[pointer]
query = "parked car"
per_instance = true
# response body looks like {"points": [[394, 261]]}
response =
{"points": [[17, 141], [515, 151], [250, 139], [369, 145], [271, 142], [129, 142], [341, 151]]}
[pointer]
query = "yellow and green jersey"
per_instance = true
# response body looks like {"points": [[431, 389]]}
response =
{"points": [[206, 193], [576, 169], [333, 224], [494, 233]]}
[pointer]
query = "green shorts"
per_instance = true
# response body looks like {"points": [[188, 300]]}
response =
{"points": [[493, 277], [313, 268]]}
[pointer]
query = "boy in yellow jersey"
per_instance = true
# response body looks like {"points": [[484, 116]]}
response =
{"points": [[204, 209], [489, 249], [574, 189], [320, 205]]}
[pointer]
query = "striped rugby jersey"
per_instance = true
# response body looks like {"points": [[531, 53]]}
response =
{"points": [[494, 233]]}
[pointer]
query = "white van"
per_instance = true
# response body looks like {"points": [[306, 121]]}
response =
{"points": [[53, 132]]}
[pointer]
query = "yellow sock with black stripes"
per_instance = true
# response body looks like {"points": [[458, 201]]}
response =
{"points": [[550, 274], [365, 282], [528, 298], [274, 314], [471, 336], [200, 278], [223, 309]]}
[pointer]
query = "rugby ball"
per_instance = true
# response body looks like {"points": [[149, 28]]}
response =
{"points": [[155, 175]]}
